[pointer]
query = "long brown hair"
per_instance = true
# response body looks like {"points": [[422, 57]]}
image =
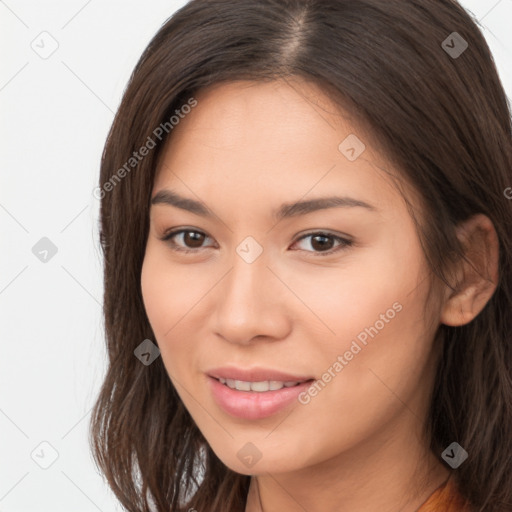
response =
{"points": [[442, 118]]}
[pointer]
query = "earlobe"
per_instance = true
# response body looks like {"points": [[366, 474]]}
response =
{"points": [[477, 275]]}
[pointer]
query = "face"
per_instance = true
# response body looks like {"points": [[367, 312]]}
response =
{"points": [[245, 287]]}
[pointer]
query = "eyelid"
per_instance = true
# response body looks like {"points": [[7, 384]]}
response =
{"points": [[170, 233], [345, 241]]}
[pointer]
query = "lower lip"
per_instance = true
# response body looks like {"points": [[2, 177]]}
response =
{"points": [[253, 405]]}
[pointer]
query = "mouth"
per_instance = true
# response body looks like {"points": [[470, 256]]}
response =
{"points": [[259, 386], [257, 376], [256, 399]]}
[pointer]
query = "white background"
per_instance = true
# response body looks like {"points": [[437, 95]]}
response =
{"points": [[55, 114]]}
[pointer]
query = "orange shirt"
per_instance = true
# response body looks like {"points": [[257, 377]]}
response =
{"points": [[446, 499]]}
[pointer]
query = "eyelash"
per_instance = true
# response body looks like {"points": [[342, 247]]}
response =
{"points": [[344, 243]]}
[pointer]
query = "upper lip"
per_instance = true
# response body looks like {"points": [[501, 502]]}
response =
{"points": [[256, 374]]}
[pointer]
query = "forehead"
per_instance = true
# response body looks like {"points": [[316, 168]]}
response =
{"points": [[272, 139], [261, 113]]}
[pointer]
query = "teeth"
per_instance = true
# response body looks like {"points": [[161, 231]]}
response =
{"points": [[275, 384], [242, 386], [260, 387]]}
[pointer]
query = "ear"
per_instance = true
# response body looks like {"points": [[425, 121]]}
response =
{"points": [[477, 278]]}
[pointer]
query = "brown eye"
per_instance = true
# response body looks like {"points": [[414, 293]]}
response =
{"points": [[323, 243], [189, 240], [193, 239]]}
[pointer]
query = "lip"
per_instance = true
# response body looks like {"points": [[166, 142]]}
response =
{"points": [[253, 405], [256, 374]]}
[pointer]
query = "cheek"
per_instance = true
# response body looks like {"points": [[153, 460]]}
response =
{"points": [[172, 297], [363, 385], [165, 299], [381, 358], [157, 298], [379, 343], [168, 293], [366, 287]]}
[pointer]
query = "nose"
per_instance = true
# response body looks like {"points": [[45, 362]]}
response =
{"points": [[252, 302]]}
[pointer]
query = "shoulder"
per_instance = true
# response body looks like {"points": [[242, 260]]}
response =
{"points": [[446, 498]]}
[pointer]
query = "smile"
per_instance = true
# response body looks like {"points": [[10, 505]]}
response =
{"points": [[259, 387], [255, 400]]}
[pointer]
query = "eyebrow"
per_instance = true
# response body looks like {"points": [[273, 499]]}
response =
{"points": [[286, 210]]}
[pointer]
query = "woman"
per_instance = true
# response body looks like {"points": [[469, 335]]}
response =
{"points": [[306, 231]]}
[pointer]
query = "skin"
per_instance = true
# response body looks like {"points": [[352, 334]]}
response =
{"points": [[358, 445]]}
